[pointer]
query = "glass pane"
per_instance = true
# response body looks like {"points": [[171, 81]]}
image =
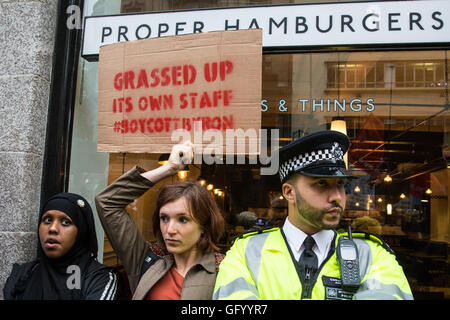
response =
{"points": [[379, 73], [405, 136], [129, 6], [331, 76], [89, 168], [396, 119], [399, 75], [419, 75], [410, 75], [440, 75]]}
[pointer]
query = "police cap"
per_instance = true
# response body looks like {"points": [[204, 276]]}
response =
{"points": [[319, 154]]}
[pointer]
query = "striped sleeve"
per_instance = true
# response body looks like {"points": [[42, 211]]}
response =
{"points": [[102, 286], [109, 292]]}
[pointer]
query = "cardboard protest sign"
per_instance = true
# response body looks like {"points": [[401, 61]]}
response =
{"points": [[147, 89]]}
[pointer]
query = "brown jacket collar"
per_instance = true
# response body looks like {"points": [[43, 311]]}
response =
{"points": [[207, 267], [210, 262]]}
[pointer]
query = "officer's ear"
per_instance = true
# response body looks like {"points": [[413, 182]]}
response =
{"points": [[288, 191]]}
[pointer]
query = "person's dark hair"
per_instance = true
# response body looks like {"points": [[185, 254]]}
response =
{"points": [[246, 219], [203, 210]]}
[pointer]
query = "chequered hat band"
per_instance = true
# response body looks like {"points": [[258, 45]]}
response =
{"points": [[299, 162]]}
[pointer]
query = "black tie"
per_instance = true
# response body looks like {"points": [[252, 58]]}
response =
{"points": [[308, 260]]}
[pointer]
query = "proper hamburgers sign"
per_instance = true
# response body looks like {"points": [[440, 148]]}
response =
{"points": [[201, 82]]}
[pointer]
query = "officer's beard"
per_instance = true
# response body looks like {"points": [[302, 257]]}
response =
{"points": [[318, 218]]}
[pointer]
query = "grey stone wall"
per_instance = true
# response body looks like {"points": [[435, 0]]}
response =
{"points": [[27, 33]]}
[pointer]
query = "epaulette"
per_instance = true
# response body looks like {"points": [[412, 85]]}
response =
{"points": [[370, 236], [252, 233]]}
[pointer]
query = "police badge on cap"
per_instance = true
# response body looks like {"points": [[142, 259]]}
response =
{"points": [[319, 154]]}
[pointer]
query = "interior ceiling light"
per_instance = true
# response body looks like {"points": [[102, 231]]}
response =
{"points": [[182, 174], [389, 209], [163, 158], [339, 124]]}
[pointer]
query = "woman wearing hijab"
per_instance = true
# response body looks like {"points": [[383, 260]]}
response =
{"points": [[66, 266]]}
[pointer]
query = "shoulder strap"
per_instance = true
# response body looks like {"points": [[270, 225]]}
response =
{"points": [[252, 233], [149, 260], [373, 237]]}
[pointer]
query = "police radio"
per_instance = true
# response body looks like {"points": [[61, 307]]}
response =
{"points": [[347, 253]]}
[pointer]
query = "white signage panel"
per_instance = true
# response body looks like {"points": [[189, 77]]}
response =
{"points": [[296, 25]]}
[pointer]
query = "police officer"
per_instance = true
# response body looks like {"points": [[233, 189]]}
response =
{"points": [[299, 260]]}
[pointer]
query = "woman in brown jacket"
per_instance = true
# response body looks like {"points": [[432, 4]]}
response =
{"points": [[187, 223]]}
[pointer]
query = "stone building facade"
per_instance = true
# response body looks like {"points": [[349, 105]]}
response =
{"points": [[27, 41]]}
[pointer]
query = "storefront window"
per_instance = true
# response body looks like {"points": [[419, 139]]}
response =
{"points": [[393, 105], [89, 168], [129, 6]]}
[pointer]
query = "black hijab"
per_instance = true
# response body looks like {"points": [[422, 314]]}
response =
{"points": [[48, 278]]}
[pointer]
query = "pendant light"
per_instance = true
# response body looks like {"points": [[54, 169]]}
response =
{"points": [[389, 209]]}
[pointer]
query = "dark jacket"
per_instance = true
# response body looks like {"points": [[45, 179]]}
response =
{"points": [[100, 282], [131, 247]]}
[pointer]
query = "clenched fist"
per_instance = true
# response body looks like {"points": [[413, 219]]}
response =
{"points": [[181, 155]]}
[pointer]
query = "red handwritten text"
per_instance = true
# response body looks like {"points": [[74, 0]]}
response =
{"points": [[205, 99], [190, 100], [177, 75], [174, 75], [210, 70], [167, 124]]}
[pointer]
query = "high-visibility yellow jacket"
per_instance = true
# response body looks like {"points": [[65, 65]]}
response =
{"points": [[260, 266]]}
